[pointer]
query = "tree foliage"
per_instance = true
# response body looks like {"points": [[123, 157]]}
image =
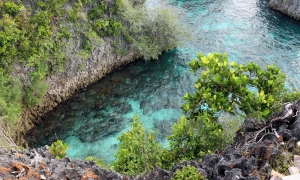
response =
{"points": [[138, 152], [152, 31], [235, 88], [243, 90], [191, 139]]}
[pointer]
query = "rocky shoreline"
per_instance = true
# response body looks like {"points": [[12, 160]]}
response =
{"points": [[102, 61], [289, 7], [40, 164], [256, 145]]}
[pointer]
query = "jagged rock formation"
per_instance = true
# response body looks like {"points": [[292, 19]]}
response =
{"points": [[289, 7], [40, 164], [256, 144]]}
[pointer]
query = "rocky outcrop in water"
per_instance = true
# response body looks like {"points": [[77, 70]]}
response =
{"points": [[289, 7], [256, 145]]}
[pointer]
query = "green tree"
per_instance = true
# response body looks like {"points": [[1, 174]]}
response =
{"points": [[153, 31], [242, 90], [235, 88], [138, 152]]}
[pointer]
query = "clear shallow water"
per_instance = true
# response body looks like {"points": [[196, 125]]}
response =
{"points": [[92, 119]]}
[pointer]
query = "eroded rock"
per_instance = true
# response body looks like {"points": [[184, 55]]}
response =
{"points": [[289, 7]]}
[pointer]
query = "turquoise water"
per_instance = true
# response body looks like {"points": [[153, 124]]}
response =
{"points": [[92, 119]]}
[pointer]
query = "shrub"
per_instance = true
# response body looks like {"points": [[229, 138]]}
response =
{"points": [[138, 152], [10, 8], [59, 149], [10, 107], [188, 173], [191, 139], [35, 92], [153, 31], [285, 158]]}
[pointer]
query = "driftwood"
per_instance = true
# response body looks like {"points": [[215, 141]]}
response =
{"points": [[278, 128], [262, 140]]}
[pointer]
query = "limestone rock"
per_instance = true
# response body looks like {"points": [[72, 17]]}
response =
{"points": [[289, 7], [292, 177], [297, 161], [39, 164], [294, 170]]}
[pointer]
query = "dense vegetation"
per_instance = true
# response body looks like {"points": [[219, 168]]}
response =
{"points": [[226, 93], [34, 41], [223, 88], [33, 45]]}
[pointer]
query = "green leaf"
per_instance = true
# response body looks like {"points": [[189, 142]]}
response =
{"points": [[233, 64], [193, 63], [186, 96], [215, 97], [270, 99], [217, 78], [238, 81], [204, 60], [244, 79], [270, 82], [265, 112], [204, 74], [262, 95]]}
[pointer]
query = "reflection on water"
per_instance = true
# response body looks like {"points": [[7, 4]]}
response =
{"points": [[247, 30]]}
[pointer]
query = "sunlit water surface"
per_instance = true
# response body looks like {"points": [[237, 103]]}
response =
{"points": [[92, 119]]}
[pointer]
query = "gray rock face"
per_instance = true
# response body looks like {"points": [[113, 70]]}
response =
{"points": [[102, 61], [228, 165], [40, 164], [289, 7]]}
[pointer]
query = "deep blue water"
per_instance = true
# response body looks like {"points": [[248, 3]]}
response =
{"points": [[92, 119]]}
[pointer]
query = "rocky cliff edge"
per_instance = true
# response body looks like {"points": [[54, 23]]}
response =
{"points": [[256, 145]]}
